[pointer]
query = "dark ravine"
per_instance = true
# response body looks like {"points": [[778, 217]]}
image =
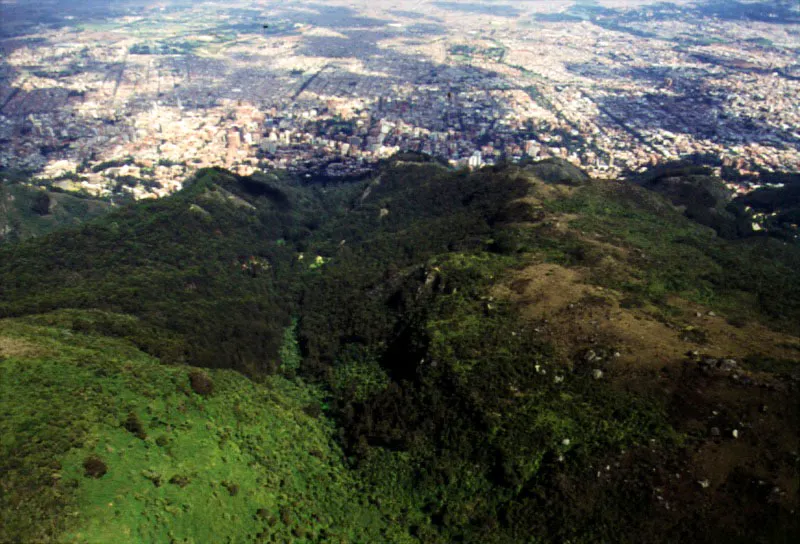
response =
{"points": [[465, 338]]}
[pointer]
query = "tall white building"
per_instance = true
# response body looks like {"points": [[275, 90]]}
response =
{"points": [[476, 160]]}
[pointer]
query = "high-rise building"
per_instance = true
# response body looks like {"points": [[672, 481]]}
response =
{"points": [[476, 160]]}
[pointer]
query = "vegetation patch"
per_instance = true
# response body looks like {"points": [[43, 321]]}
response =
{"points": [[94, 467], [669, 254], [71, 473], [201, 383]]}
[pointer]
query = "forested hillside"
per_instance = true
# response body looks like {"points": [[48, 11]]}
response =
{"points": [[516, 354]]}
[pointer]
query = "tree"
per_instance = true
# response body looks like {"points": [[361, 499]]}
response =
{"points": [[41, 203]]}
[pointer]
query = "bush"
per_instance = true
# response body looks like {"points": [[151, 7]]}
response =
{"points": [[94, 467], [134, 426], [41, 203], [289, 353], [201, 383]]}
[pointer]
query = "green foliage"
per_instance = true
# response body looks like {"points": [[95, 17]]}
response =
{"points": [[26, 211], [672, 255], [105, 165], [178, 270], [358, 374], [72, 473], [482, 366], [471, 396], [778, 366], [41, 204], [289, 353]]}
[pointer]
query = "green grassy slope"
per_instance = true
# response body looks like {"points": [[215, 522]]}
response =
{"points": [[750, 278], [27, 212], [245, 464]]}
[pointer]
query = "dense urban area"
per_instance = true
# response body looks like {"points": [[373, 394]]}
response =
{"points": [[134, 97]]}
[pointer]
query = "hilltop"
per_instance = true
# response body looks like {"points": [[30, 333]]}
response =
{"points": [[515, 354], [27, 211]]}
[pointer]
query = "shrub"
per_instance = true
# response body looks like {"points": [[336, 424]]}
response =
{"points": [[94, 467], [233, 489], [180, 481], [41, 203], [289, 353], [201, 383], [134, 425]]}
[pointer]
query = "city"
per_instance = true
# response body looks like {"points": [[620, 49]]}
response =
{"points": [[133, 99]]}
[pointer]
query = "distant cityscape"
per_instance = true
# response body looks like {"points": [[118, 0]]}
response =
{"points": [[133, 98]]}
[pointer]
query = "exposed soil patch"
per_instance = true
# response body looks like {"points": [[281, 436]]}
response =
{"points": [[574, 316], [17, 347], [740, 425]]}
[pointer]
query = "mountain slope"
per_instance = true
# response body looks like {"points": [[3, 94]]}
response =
{"points": [[501, 357], [104, 444], [26, 212]]}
